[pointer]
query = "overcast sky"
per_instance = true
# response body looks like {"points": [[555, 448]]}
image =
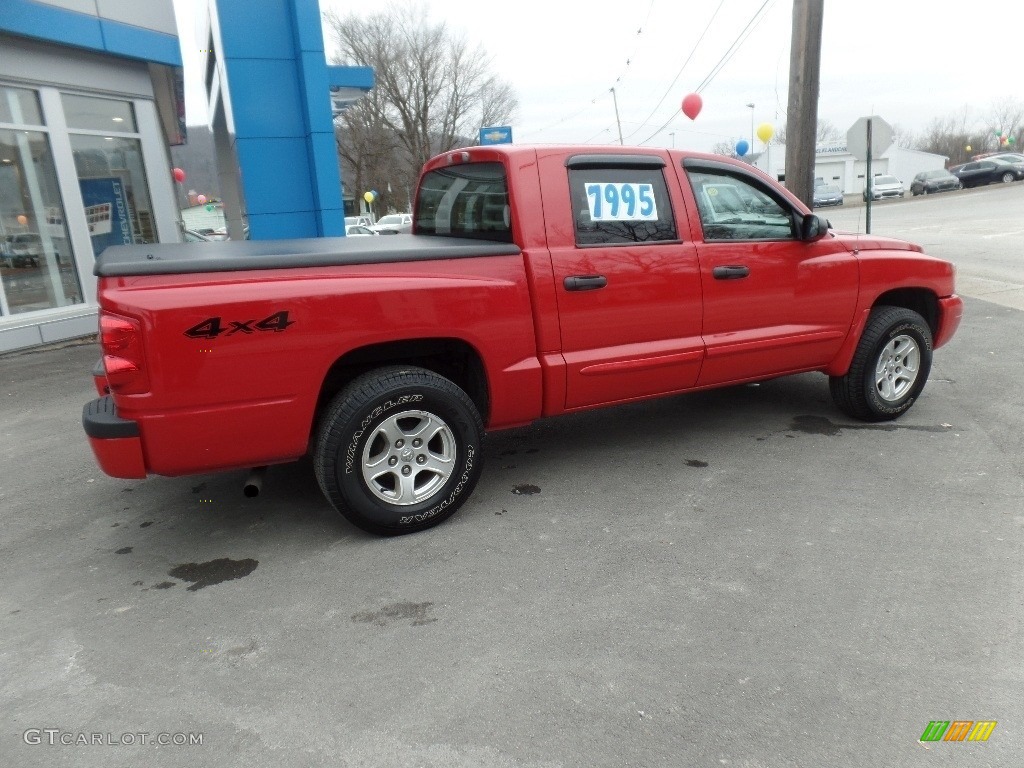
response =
{"points": [[908, 61]]}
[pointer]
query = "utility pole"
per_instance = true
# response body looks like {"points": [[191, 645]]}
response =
{"points": [[802, 112], [616, 102]]}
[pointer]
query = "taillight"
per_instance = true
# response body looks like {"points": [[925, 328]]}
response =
{"points": [[121, 340]]}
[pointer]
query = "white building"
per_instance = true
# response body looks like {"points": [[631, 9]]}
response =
{"points": [[834, 164]]}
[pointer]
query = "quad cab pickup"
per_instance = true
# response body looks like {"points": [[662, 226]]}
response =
{"points": [[537, 281]]}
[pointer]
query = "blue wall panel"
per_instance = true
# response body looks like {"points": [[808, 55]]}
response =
{"points": [[275, 174], [281, 226], [265, 97]]}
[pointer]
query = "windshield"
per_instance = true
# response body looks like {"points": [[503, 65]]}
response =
{"points": [[393, 218], [886, 180], [469, 200]]}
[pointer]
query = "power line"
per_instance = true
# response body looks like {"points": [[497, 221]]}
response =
{"points": [[736, 45], [730, 52], [680, 72], [604, 92]]}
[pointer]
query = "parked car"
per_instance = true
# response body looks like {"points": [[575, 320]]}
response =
{"points": [[191, 236], [884, 186], [988, 172], [927, 182], [827, 195], [1013, 157], [393, 223], [358, 230], [363, 221], [23, 250]]}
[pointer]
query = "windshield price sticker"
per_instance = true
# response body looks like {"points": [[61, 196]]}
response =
{"points": [[622, 202]]}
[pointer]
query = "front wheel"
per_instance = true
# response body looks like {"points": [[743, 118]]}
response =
{"points": [[889, 368], [398, 450], [1007, 177]]}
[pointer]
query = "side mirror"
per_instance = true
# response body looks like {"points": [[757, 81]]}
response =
{"points": [[813, 227]]}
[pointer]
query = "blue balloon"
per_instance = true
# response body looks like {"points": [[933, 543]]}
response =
{"points": [[742, 147]]}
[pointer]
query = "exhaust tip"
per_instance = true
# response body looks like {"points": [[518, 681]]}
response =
{"points": [[254, 483]]}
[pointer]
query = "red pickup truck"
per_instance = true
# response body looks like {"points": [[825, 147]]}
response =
{"points": [[537, 281]]}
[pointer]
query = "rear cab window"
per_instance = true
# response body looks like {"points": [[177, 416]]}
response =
{"points": [[467, 200], [620, 200]]}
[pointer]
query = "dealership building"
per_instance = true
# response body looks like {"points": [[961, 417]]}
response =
{"points": [[90, 100], [837, 166]]}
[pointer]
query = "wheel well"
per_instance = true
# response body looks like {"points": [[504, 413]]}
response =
{"points": [[454, 359], [920, 300]]}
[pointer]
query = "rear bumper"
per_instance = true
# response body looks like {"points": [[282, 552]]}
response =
{"points": [[115, 442], [951, 309]]}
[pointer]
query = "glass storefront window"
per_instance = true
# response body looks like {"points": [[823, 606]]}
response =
{"points": [[114, 190], [19, 105], [93, 114], [36, 265]]}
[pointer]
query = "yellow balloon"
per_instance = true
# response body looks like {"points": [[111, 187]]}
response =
{"points": [[765, 131], [968, 147], [368, 197]]}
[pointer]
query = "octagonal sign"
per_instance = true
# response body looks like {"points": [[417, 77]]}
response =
{"points": [[857, 137]]}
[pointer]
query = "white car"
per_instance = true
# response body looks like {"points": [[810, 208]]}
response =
{"points": [[363, 221], [885, 186], [393, 223], [358, 230]]}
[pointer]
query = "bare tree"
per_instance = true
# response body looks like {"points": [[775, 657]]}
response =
{"points": [[903, 138], [727, 148], [826, 131], [1007, 118], [434, 91]]}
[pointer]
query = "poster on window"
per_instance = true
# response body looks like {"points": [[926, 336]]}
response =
{"points": [[107, 212]]}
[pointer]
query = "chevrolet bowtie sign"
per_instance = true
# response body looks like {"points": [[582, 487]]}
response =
{"points": [[499, 134]]}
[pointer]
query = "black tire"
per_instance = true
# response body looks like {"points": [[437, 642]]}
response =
{"points": [[879, 386], [1008, 177], [352, 445]]}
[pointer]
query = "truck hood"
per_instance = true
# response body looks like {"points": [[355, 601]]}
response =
{"points": [[856, 242]]}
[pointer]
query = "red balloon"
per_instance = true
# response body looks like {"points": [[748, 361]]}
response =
{"points": [[179, 175], [692, 105]]}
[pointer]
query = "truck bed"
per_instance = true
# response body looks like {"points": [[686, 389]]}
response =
{"points": [[228, 256]]}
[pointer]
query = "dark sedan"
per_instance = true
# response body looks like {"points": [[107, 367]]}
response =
{"points": [[928, 182], [827, 195], [989, 172]]}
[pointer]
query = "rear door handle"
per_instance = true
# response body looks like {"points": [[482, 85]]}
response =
{"points": [[585, 282], [732, 272]]}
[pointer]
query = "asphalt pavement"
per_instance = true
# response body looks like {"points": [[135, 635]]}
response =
{"points": [[739, 578]]}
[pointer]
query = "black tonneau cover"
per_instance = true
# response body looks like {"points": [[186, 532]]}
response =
{"points": [[228, 256]]}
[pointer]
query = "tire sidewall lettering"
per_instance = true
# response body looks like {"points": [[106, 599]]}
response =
{"points": [[455, 493]]}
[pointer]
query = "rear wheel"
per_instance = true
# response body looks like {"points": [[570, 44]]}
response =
{"points": [[889, 368], [398, 450]]}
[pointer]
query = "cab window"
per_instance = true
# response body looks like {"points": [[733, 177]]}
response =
{"points": [[735, 208], [616, 205]]}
